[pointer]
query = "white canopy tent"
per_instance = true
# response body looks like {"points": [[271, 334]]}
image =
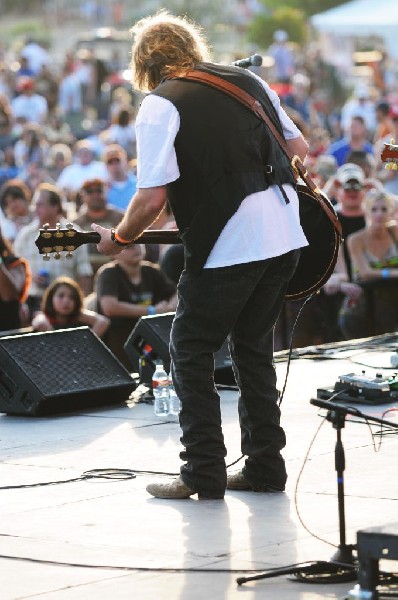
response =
{"points": [[340, 27]]}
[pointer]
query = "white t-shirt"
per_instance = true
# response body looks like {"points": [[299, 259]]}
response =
{"points": [[32, 108], [264, 226], [73, 176]]}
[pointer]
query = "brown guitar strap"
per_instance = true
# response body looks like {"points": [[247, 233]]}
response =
{"points": [[250, 102]]}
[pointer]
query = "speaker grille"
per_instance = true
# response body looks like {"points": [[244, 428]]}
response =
{"points": [[54, 371], [46, 361]]}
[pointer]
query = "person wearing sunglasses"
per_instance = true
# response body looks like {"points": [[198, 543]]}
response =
{"points": [[95, 207], [374, 256]]}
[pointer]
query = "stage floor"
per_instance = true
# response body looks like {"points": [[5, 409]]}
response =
{"points": [[107, 538]]}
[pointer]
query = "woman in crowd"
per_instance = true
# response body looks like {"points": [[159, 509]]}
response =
{"points": [[62, 308], [15, 279], [374, 256], [15, 199]]}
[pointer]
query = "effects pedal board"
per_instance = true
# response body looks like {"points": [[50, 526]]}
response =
{"points": [[362, 389]]}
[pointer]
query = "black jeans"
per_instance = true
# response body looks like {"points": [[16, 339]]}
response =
{"points": [[241, 303]]}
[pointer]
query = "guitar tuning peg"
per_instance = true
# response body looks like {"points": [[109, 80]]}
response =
{"points": [[46, 257], [46, 233], [69, 226], [58, 233], [69, 255], [57, 255]]}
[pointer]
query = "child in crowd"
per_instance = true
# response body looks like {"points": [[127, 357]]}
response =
{"points": [[62, 307]]}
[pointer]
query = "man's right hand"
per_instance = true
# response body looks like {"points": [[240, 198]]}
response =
{"points": [[106, 246]]}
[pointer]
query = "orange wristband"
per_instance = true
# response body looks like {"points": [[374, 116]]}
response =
{"points": [[120, 239]]}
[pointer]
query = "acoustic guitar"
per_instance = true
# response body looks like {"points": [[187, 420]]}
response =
{"points": [[316, 264]]}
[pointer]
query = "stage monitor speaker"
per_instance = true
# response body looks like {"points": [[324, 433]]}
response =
{"points": [[57, 371], [149, 342]]}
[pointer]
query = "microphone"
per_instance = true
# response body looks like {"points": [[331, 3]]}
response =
{"points": [[252, 61]]}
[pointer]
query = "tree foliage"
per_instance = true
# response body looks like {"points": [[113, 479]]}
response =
{"points": [[308, 7], [291, 20]]}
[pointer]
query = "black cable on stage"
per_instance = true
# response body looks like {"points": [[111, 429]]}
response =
{"points": [[107, 473], [282, 393]]}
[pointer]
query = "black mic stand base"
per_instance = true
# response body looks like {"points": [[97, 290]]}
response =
{"points": [[343, 566], [318, 571]]}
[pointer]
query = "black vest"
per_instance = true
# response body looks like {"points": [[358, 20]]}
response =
{"points": [[224, 153]]}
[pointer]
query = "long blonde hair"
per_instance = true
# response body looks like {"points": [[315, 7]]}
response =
{"points": [[165, 45]]}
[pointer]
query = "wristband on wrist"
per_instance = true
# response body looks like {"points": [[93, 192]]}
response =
{"points": [[385, 273], [151, 310], [119, 241]]}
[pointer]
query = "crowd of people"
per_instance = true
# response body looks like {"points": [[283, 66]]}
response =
{"points": [[54, 171]]}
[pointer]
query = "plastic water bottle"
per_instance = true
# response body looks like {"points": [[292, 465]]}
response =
{"points": [[160, 388], [175, 402]]}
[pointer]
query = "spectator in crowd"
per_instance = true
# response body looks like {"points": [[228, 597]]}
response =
{"points": [[14, 286], [324, 169], [29, 106], [95, 208], [284, 66], [122, 132], [7, 81], [129, 288], [35, 55], [47, 86], [6, 122], [389, 177], [57, 131], [15, 199], [84, 168], [86, 75], [361, 105], [363, 159], [121, 184], [300, 99], [374, 256], [70, 99], [385, 127], [8, 167], [357, 139], [351, 184], [62, 307], [59, 157], [24, 69], [32, 147], [121, 100], [48, 204]]}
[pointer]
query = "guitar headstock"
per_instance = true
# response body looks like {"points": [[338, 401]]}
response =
{"points": [[389, 156], [54, 241]]}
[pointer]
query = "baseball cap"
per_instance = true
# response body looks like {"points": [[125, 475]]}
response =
{"points": [[350, 172], [25, 83]]}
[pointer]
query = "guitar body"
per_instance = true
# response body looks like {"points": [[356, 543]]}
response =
{"points": [[318, 259]]}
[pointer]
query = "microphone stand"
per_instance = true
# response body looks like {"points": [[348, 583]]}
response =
{"points": [[343, 566]]}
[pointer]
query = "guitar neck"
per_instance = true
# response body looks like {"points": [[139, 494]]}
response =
{"points": [[159, 236]]}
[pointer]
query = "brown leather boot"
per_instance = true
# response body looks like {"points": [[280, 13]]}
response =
{"points": [[176, 490], [237, 481]]}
